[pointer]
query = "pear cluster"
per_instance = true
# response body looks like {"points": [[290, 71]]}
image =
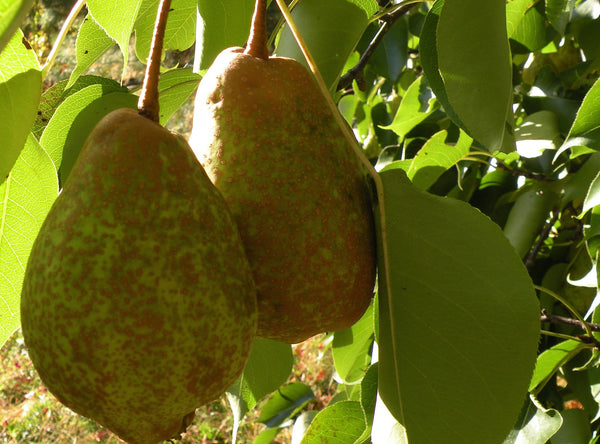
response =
{"points": [[161, 261]]}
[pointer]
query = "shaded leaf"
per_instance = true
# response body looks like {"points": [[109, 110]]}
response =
{"points": [[74, 120], [475, 65], [20, 91], [268, 366], [12, 13], [219, 26], [443, 286], [535, 426], [26, 197], [331, 31]]}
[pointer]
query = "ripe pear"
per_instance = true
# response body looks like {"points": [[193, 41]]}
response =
{"points": [[138, 303], [298, 193]]}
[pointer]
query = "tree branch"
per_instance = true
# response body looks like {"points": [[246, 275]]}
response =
{"points": [[541, 239], [546, 318], [356, 72]]}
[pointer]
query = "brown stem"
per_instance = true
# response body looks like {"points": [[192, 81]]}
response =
{"points": [[257, 41], [529, 262], [356, 72], [148, 102], [567, 321]]}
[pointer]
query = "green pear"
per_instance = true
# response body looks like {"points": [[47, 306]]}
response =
{"points": [[300, 197], [138, 303]]}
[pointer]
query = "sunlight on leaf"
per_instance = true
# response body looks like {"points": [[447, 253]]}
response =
{"points": [[25, 198]]}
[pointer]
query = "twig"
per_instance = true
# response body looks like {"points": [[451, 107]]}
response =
{"points": [[541, 239], [552, 319], [148, 102], [527, 174], [587, 326], [356, 72], [61, 36]]}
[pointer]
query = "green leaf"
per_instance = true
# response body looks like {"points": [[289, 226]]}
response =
{"points": [[351, 348], [436, 157], [220, 25], [585, 130], [20, 91], [515, 11], [26, 197], [537, 133], [180, 30], [575, 428], [75, 118], [592, 199], [418, 103], [429, 60], [368, 398], [331, 31], [559, 13], [267, 436], [528, 215], [475, 65], [268, 366], [535, 426], [117, 18], [12, 13], [532, 32], [174, 88], [285, 403], [459, 319], [57, 93], [550, 360], [92, 42], [340, 423]]}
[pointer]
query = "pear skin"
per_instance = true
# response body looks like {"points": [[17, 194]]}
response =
{"points": [[138, 303], [298, 193]]}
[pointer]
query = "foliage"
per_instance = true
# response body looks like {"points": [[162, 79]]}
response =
{"points": [[481, 120]]}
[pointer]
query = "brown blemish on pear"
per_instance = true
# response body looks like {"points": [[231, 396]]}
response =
{"points": [[305, 216]]}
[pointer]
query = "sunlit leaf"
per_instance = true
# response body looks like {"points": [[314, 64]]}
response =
{"points": [[180, 30], [550, 360], [20, 91], [117, 18], [25, 198], [340, 423], [92, 42], [12, 12]]}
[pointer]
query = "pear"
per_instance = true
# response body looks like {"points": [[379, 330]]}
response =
{"points": [[138, 303], [299, 195]]}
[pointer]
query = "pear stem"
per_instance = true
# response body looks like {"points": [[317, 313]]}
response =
{"points": [[148, 103], [257, 41]]}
